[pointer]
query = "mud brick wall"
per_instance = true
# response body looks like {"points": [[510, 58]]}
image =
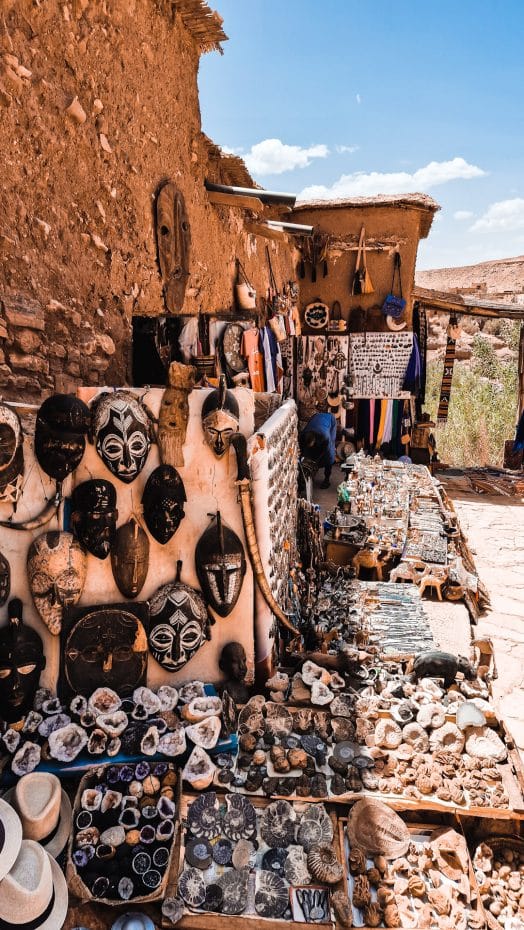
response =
{"points": [[99, 105]]}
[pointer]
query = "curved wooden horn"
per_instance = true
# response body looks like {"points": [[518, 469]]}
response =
{"points": [[238, 441]]}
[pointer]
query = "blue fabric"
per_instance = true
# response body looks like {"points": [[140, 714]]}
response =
{"points": [[413, 371], [519, 437], [325, 425]]}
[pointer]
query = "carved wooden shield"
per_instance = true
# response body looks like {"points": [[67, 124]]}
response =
{"points": [[174, 245]]}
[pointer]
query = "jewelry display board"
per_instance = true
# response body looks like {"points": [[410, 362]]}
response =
{"points": [[378, 362]]}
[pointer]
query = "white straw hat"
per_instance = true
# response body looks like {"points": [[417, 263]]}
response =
{"points": [[44, 809], [10, 837], [35, 889]]}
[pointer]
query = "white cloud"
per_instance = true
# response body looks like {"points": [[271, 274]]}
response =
{"points": [[341, 149], [358, 98], [228, 150], [394, 182], [462, 215], [274, 157], [507, 215]]}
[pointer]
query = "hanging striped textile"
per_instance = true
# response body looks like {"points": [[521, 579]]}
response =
{"points": [[447, 377]]}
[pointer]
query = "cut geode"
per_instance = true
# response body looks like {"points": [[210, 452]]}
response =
{"points": [[173, 743], [199, 770], [148, 699], [78, 705], [240, 820], [277, 824], [296, 871], [234, 885], [32, 722], [112, 724], [166, 808], [26, 759], [111, 801], [42, 695], [205, 733], [201, 707], [168, 697], [52, 706], [173, 909], [271, 894], [97, 742], [104, 701], [190, 691], [125, 888], [342, 706], [11, 739], [192, 887], [91, 799], [67, 743], [204, 816], [55, 722], [113, 746], [149, 742], [321, 694]]}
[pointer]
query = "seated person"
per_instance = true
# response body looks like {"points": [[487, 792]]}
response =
{"points": [[318, 442]]}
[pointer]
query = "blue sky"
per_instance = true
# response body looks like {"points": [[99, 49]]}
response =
{"points": [[337, 98]]}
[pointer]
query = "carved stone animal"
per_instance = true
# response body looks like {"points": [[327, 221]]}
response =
{"points": [[437, 664]]}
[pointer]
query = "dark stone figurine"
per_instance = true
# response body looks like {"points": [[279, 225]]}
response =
{"points": [[21, 662], [233, 663], [437, 664]]}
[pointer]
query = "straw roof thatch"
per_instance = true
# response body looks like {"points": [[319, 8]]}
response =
{"points": [[203, 23]]}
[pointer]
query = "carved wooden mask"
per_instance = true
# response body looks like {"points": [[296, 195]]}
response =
{"points": [[130, 558], [174, 245], [11, 455], [56, 569]]}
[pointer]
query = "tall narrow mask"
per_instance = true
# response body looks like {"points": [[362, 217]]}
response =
{"points": [[130, 558], [123, 433], [179, 623], [60, 435], [163, 502], [94, 516], [220, 566], [11, 455], [56, 569], [21, 661], [5, 579], [220, 418]]}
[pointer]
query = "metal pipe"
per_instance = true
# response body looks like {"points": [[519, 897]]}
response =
{"points": [[267, 197], [295, 228]]}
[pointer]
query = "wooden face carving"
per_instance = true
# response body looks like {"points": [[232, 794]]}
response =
{"points": [[123, 432], [130, 558], [179, 625], [174, 245], [163, 502], [221, 566], [56, 569], [11, 455], [94, 516], [60, 435], [21, 661], [106, 646], [5, 579]]}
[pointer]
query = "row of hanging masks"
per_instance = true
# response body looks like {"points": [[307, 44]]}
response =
{"points": [[119, 424]]}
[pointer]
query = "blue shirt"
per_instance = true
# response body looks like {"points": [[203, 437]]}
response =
{"points": [[325, 425]]}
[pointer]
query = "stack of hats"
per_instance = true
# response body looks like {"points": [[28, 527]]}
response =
{"points": [[35, 823]]}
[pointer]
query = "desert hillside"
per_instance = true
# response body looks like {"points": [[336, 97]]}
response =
{"points": [[502, 278]]}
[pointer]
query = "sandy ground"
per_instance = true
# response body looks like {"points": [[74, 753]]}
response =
{"points": [[494, 527]]}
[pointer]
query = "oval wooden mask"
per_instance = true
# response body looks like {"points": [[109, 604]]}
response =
{"points": [[130, 558]]}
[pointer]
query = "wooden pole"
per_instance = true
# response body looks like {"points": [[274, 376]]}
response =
{"points": [[521, 370]]}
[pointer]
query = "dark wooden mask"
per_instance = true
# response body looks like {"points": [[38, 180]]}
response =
{"points": [[130, 558], [173, 238]]}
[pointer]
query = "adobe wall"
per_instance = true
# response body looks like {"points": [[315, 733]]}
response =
{"points": [[76, 201], [391, 224]]}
